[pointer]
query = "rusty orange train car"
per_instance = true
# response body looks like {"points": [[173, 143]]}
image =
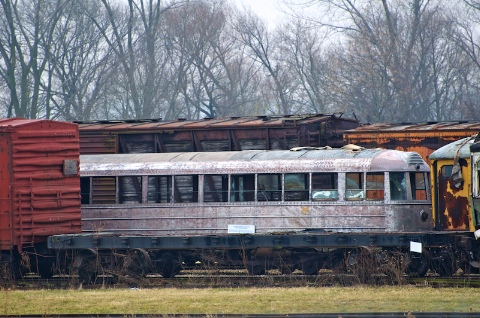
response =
{"points": [[423, 138]]}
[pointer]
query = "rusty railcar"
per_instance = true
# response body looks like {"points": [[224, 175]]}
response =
{"points": [[257, 208], [214, 134], [455, 189], [423, 138], [40, 185]]}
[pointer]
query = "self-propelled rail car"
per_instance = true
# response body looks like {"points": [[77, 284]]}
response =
{"points": [[305, 209]]}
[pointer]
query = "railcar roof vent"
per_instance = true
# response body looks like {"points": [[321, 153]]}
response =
{"points": [[415, 159]]}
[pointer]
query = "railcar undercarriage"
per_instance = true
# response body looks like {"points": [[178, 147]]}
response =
{"points": [[107, 255]]}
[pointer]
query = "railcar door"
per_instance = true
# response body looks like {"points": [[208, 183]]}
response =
{"points": [[452, 184]]}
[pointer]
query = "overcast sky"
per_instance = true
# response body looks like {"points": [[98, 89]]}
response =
{"points": [[265, 9]]}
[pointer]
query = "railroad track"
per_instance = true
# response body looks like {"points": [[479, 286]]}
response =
{"points": [[192, 279]]}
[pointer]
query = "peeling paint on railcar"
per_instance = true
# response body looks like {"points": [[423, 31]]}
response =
{"points": [[423, 138], [453, 205]]}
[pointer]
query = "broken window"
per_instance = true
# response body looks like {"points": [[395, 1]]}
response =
{"points": [[130, 189], [354, 186], [418, 184], [296, 187], [398, 188], [324, 186]]}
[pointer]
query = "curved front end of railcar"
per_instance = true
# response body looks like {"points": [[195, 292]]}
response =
{"points": [[454, 184]]}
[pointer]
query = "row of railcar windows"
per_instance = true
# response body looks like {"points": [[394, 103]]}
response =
{"points": [[253, 187]]}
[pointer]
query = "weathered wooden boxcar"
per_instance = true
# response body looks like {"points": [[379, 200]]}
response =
{"points": [[236, 133], [423, 138], [39, 185]]}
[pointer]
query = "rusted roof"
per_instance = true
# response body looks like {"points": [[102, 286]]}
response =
{"points": [[207, 123], [418, 127]]}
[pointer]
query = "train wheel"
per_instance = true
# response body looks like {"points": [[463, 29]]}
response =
{"points": [[168, 265], [310, 267], [444, 267], [86, 265], [285, 269], [9, 269], [473, 267], [256, 269], [137, 263], [418, 263]]}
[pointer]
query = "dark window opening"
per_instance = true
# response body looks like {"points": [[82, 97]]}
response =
{"points": [[242, 188], [85, 190], [269, 187], [186, 189], [159, 189], [215, 188]]}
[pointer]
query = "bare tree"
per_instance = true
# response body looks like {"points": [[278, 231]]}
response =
{"points": [[397, 62], [262, 48], [301, 47], [25, 47], [211, 77], [80, 63], [133, 35]]}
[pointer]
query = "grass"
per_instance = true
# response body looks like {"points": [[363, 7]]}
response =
{"points": [[238, 300]]}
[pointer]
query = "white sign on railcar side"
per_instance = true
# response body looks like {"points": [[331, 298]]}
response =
{"points": [[241, 229], [416, 247], [477, 234]]}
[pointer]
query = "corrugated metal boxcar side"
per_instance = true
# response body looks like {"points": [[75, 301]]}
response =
{"points": [[214, 134], [39, 181]]}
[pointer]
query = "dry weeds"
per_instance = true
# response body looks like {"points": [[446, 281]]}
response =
{"points": [[238, 300]]}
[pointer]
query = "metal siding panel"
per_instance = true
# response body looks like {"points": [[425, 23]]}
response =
{"points": [[267, 218], [262, 132], [97, 144], [6, 216], [45, 201]]}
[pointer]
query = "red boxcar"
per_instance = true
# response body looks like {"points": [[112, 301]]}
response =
{"points": [[39, 181]]}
